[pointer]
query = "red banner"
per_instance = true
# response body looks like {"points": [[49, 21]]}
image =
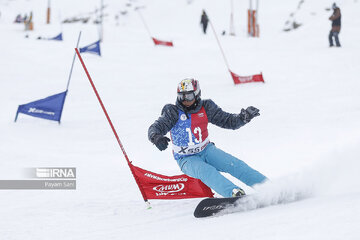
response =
{"points": [[157, 186], [164, 43], [239, 79]]}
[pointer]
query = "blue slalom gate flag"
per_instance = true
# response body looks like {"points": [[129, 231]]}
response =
{"points": [[92, 48], [57, 38], [48, 108]]}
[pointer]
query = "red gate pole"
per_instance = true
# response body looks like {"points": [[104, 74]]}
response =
{"points": [[113, 129]]}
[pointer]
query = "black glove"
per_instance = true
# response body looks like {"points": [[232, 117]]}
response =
{"points": [[161, 142], [249, 113]]}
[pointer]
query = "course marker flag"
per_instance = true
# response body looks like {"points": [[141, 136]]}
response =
{"points": [[92, 48], [48, 108]]}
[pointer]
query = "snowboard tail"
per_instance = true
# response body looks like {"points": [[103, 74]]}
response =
{"points": [[211, 206]]}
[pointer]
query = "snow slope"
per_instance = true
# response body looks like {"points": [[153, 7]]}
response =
{"points": [[306, 139]]}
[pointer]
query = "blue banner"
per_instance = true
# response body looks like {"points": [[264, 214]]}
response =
{"points": [[48, 108], [57, 38], [92, 48]]}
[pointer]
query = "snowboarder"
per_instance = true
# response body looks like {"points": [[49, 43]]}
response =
{"points": [[196, 156], [204, 21], [336, 26]]}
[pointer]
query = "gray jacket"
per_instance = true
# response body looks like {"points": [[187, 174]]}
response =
{"points": [[170, 115]]}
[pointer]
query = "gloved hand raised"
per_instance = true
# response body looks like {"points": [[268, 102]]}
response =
{"points": [[161, 142], [249, 113]]}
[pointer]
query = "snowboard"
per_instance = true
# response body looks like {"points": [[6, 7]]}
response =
{"points": [[211, 206]]}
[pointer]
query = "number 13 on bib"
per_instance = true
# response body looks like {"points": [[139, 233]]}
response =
{"points": [[190, 133]]}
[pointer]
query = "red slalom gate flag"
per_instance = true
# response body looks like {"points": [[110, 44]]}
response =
{"points": [[247, 79], [157, 186], [163, 43]]}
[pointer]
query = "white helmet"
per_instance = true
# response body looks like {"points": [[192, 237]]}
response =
{"points": [[188, 89]]}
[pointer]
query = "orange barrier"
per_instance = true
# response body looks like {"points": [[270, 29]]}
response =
{"points": [[253, 27]]}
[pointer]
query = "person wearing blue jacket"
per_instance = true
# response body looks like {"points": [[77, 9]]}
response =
{"points": [[195, 154]]}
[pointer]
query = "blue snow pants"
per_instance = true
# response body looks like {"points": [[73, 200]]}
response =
{"points": [[208, 164]]}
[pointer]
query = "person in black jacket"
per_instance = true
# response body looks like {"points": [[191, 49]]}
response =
{"points": [[335, 26], [196, 156], [204, 21]]}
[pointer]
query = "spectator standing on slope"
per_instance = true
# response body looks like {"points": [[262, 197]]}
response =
{"points": [[204, 21], [336, 26]]}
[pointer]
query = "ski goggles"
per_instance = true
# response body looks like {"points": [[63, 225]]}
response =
{"points": [[189, 96]]}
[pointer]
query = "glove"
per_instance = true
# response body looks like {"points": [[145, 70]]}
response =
{"points": [[161, 142], [249, 113]]}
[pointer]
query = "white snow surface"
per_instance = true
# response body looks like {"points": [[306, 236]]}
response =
{"points": [[306, 140]]}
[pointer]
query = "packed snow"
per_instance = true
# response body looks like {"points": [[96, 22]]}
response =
{"points": [[306, 140]]}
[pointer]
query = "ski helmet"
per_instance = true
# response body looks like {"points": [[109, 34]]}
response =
{"points": [[188, 89]]}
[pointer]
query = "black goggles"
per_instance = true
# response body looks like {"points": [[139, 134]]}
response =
{"points": [[189, 96]]}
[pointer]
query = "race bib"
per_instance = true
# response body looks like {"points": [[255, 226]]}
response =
{"points": [[191, 149]]}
